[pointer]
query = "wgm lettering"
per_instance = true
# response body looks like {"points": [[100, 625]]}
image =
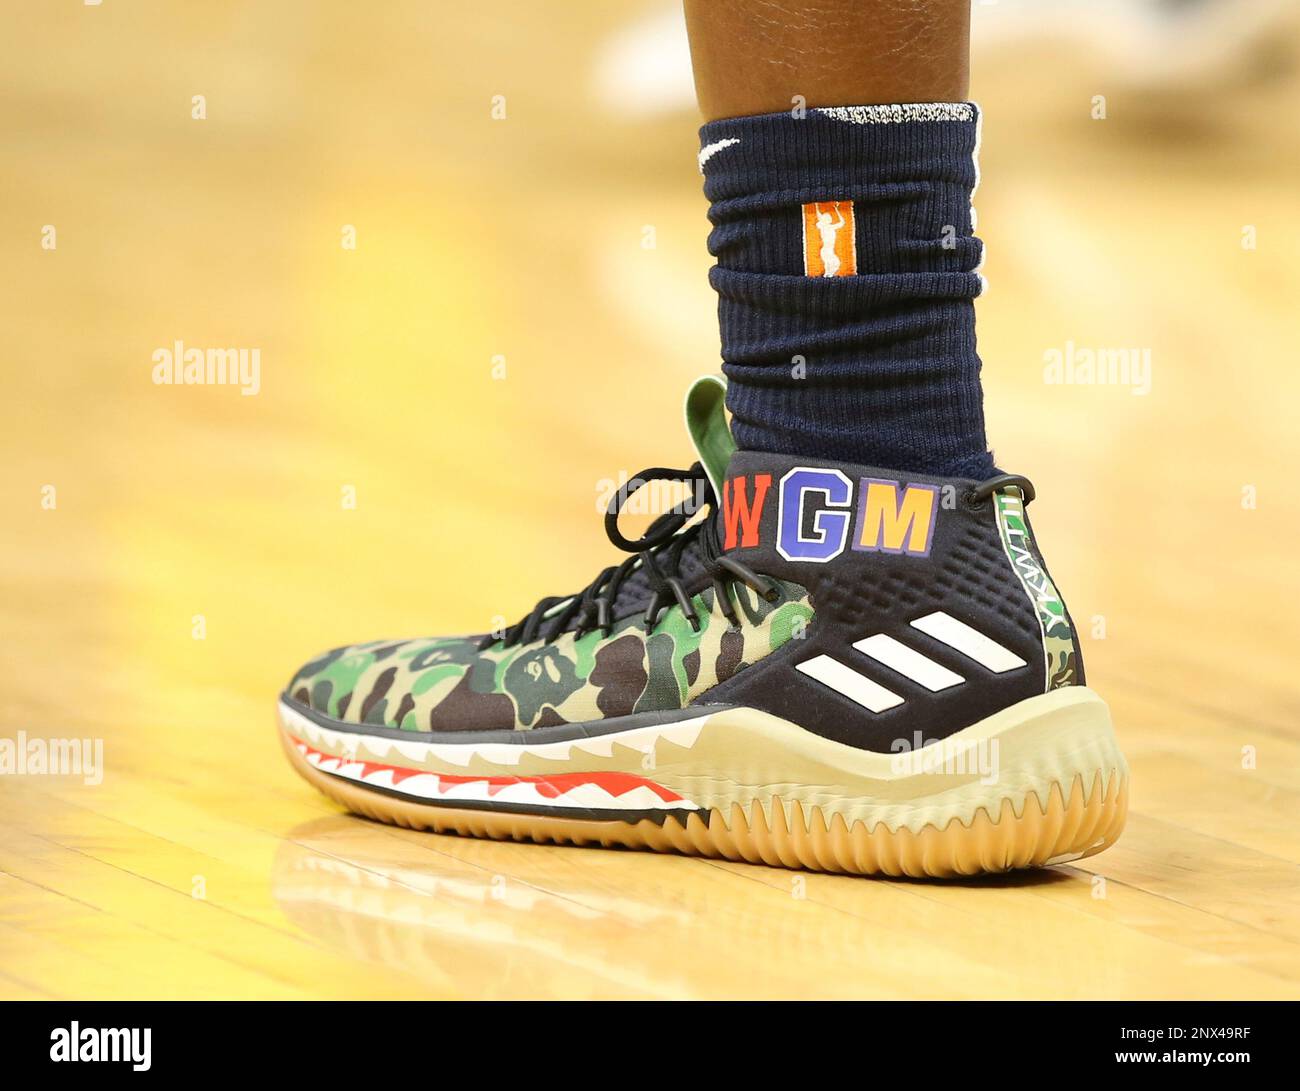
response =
{"points": [[816, 513]]}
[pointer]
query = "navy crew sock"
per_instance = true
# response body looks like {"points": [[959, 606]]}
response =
{"points": [[846, 279]]}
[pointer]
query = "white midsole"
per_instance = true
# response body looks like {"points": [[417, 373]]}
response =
{"points": [[741, 756], [501, 755]]}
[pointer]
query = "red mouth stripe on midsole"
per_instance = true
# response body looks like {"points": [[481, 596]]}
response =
{"points": [[549, 785]]}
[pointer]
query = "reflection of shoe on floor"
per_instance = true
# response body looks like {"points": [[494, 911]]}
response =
{"points": [[844, 668]]}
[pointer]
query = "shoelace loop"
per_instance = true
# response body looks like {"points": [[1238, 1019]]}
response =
{"points": [[658, 553], [981, 492]]}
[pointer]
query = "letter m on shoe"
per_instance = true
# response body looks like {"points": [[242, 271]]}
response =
{"points": [[740, 516], [893, 518]]}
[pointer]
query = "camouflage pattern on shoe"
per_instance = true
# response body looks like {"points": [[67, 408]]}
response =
{"points": [[452, 684], [1059, 648]]}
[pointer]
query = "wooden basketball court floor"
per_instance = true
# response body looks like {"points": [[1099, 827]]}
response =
{"points": [[169, 554]]}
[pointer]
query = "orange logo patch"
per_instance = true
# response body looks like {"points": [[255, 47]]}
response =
{"points": [[830, 245]]}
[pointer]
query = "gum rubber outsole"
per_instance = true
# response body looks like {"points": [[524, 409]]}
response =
{"points": [[1082, 823]]}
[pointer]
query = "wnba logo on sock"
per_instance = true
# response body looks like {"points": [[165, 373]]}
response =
{"points": [[830, 245]]}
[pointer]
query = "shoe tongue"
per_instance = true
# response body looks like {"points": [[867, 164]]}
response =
{"points": [[706, 421]]}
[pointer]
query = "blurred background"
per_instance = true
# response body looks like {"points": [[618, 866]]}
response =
{"points": [[468, 243]]}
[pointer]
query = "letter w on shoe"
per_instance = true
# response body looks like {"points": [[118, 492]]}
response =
{"points": [[741, 518]]}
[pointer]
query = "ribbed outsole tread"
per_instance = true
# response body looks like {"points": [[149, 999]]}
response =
{"points": [[1072, 826]]}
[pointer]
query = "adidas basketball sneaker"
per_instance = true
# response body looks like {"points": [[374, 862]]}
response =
{"points": [[830, 666]]}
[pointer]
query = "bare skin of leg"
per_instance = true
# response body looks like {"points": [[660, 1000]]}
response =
{"points": [[755, 56]]}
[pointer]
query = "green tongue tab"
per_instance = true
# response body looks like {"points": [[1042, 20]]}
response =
{"points": [[706, 421]]}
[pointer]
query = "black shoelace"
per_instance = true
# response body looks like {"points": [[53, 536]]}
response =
{"points": [[659, 554]]}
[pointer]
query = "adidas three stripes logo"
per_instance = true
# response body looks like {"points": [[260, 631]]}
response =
{"points": [[910, 663]]}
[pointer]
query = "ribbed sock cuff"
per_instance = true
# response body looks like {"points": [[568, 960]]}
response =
{"points": [[910, 168], [864, 352]]}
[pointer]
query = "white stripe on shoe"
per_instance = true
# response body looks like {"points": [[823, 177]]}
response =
{"points": [[970, 642], [857, 687], [910, 664]]}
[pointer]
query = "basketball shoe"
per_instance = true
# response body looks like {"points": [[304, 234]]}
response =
{"points": [[839, 667]]}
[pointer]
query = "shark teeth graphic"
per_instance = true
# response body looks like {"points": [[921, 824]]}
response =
{"points": [[608, 790]]}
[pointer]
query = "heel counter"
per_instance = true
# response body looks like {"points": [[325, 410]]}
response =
{"points": [[1062, 655]]}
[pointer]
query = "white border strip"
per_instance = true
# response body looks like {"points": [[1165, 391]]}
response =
{"points": [[895, 113]]}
